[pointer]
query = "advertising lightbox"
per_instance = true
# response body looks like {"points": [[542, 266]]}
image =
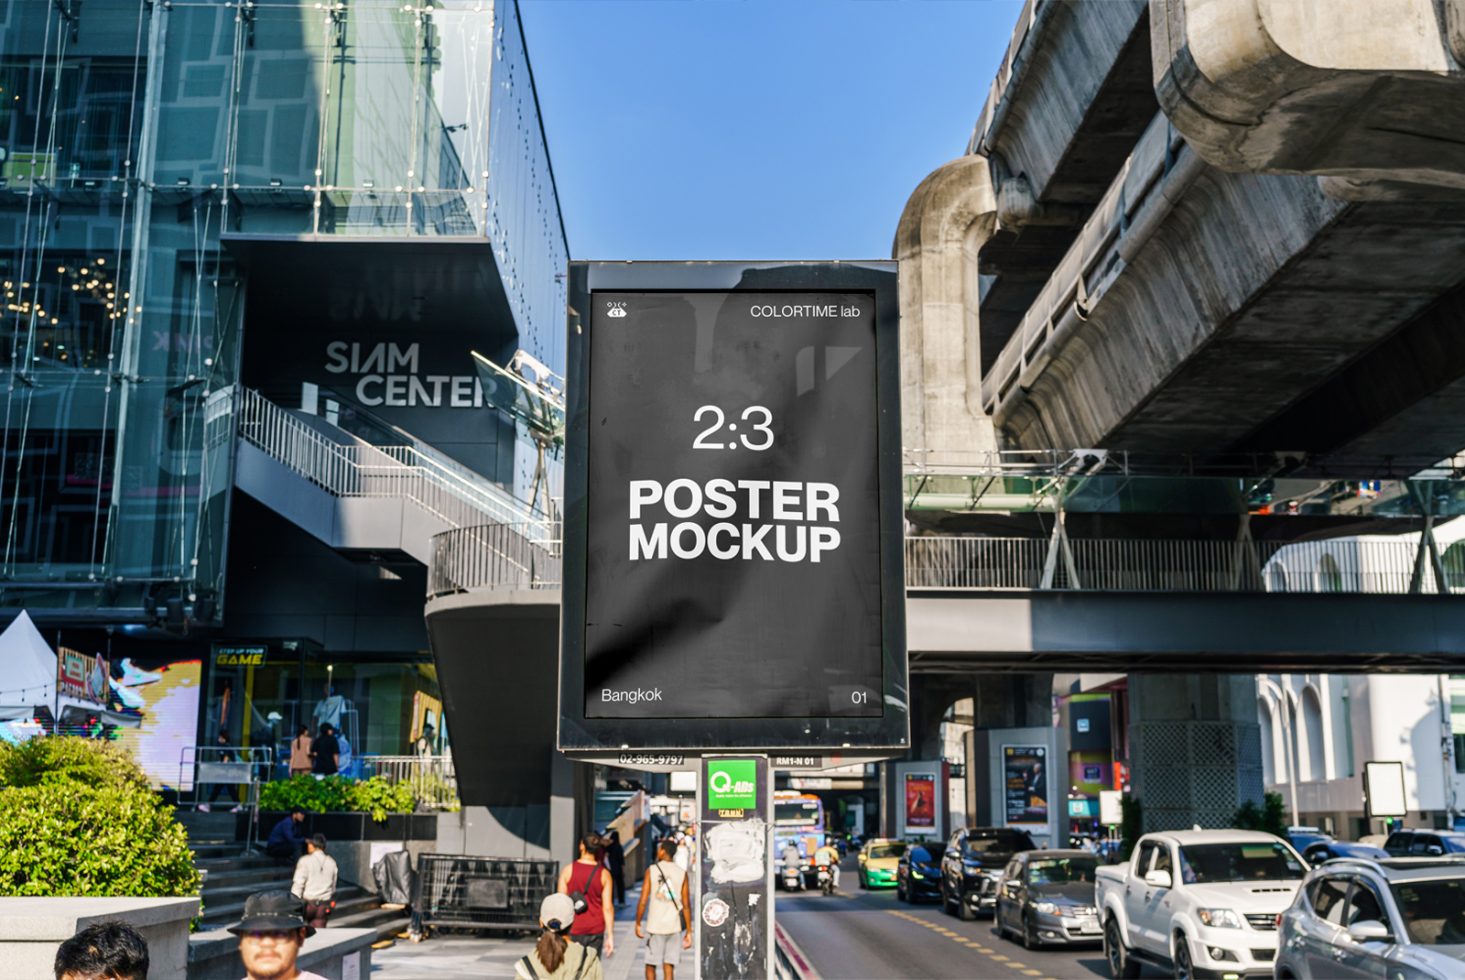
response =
{"points": [[733, 564]]}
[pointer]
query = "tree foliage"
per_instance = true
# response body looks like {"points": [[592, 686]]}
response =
{"points": [[77, 817]]}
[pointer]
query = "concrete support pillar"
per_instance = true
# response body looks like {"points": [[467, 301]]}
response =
{"points": [[1195, 748], [946, 222]]}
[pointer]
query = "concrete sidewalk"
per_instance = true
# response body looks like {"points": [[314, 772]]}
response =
{"points": [[449, 957]]}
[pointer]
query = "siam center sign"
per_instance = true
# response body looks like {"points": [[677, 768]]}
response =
{"points": [[733, 526]]}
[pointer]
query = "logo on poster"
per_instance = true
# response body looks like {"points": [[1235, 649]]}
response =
{"points": [[732, 785]]}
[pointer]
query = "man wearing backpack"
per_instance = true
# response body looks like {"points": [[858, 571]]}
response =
{"points": [[665, 907]]}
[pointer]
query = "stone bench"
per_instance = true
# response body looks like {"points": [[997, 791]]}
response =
{"points": [[336, 954], [32, 928]]}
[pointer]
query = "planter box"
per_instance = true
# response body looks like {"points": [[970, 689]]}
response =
{"points": [[348, 826]]}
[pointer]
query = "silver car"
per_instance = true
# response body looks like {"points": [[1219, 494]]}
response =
{"points": [[1385, 919], [1047, 897]]}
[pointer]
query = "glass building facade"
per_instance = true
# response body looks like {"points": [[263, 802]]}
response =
{"points": [[203, 196]]}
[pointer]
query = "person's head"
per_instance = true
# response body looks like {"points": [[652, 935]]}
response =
{"points": [[325, 729], [298, 815], [591, 845], [316, 842], [223, 738], [556, 915], [270, 934], [302, 730], [668, 849], [105, 951], [614, 837]]}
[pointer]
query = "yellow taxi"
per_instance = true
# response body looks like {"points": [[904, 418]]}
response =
{"points": [[878, 860]]}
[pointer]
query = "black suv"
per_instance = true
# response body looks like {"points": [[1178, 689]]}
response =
{"points": [[974, 859]]}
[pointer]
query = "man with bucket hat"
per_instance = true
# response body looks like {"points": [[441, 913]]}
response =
{"points": [[270, 936]]}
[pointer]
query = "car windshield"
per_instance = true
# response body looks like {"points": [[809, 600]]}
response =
{"points": [[1202, 864], [892, 849], [998, 842], [920, 856], [1061, 871], [1433, 911]]}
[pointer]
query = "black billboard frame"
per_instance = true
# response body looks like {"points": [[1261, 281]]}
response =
{"points": [[578, 735]]}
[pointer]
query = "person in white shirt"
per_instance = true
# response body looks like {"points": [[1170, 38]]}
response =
{"points": [[665, 906], [315, 881]]}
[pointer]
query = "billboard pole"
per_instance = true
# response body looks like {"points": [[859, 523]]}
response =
{"points": [[733, 929]]}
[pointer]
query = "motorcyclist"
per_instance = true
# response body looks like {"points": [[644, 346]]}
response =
{"points": [[791, 858], [828, 855]]}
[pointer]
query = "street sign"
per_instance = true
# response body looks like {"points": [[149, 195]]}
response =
{"points": [[1111, 807], [1383, 789], [733, 563]]}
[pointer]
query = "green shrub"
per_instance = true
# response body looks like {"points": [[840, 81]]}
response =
{"points": [[1271, 816], [77, 818], [1131, 824], [67, 759], [337, 794]]}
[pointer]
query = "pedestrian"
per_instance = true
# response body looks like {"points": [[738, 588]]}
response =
{"points": [[666, 906], [220, 789], [588, 885], [287, 838], [325, 753], [685, 849], [315, 881], [554, 957], [343, 753], [105, 951], [270, 936], [300, 751], [615, 863]]}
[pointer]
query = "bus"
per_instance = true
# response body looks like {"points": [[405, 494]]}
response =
{"points": [[797, 817]]}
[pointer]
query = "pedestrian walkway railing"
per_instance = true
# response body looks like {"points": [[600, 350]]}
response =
{"points": [[493, 556], [433, 779], [356, 468], [1348, 565], [499, 557]]}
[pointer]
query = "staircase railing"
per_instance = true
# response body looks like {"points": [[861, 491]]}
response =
{"points": [[361, 470]]}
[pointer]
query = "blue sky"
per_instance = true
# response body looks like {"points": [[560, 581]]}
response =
{"points": [[754, 129]]}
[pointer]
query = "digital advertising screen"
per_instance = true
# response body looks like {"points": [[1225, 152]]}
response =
{"points": [[728, 508]]}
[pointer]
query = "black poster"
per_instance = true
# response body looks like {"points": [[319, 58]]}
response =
{"points": [[733, 561]]}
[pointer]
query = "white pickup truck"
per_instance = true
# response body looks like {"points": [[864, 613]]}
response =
{"points": [[1200, 903]]}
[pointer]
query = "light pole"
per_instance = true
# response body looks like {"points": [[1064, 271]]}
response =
{"points": [[1274, 693]]}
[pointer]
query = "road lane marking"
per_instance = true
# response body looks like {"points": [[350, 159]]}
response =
{"points": [[971, 944]]}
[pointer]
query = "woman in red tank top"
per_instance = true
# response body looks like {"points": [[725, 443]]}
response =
{"points": [[594, 927]]}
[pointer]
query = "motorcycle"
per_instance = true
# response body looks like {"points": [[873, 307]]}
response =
{"points": [[793, 878], [826, 879]]}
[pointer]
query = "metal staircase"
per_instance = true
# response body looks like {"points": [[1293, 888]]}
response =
{"points": [[359, 496]]}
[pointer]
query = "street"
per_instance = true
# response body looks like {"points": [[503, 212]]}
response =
{"points": [[865, 935]]}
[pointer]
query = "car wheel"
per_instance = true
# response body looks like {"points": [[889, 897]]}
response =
{"points": [[901, 894], [1121, 967], [946, 904], [1029, 935], [1184, 968], [964, 910], [864, 882]]}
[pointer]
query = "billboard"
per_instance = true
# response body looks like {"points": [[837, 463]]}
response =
{"points": [[81, 676], [1025, 784], [920, 801], [733, 536]]}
